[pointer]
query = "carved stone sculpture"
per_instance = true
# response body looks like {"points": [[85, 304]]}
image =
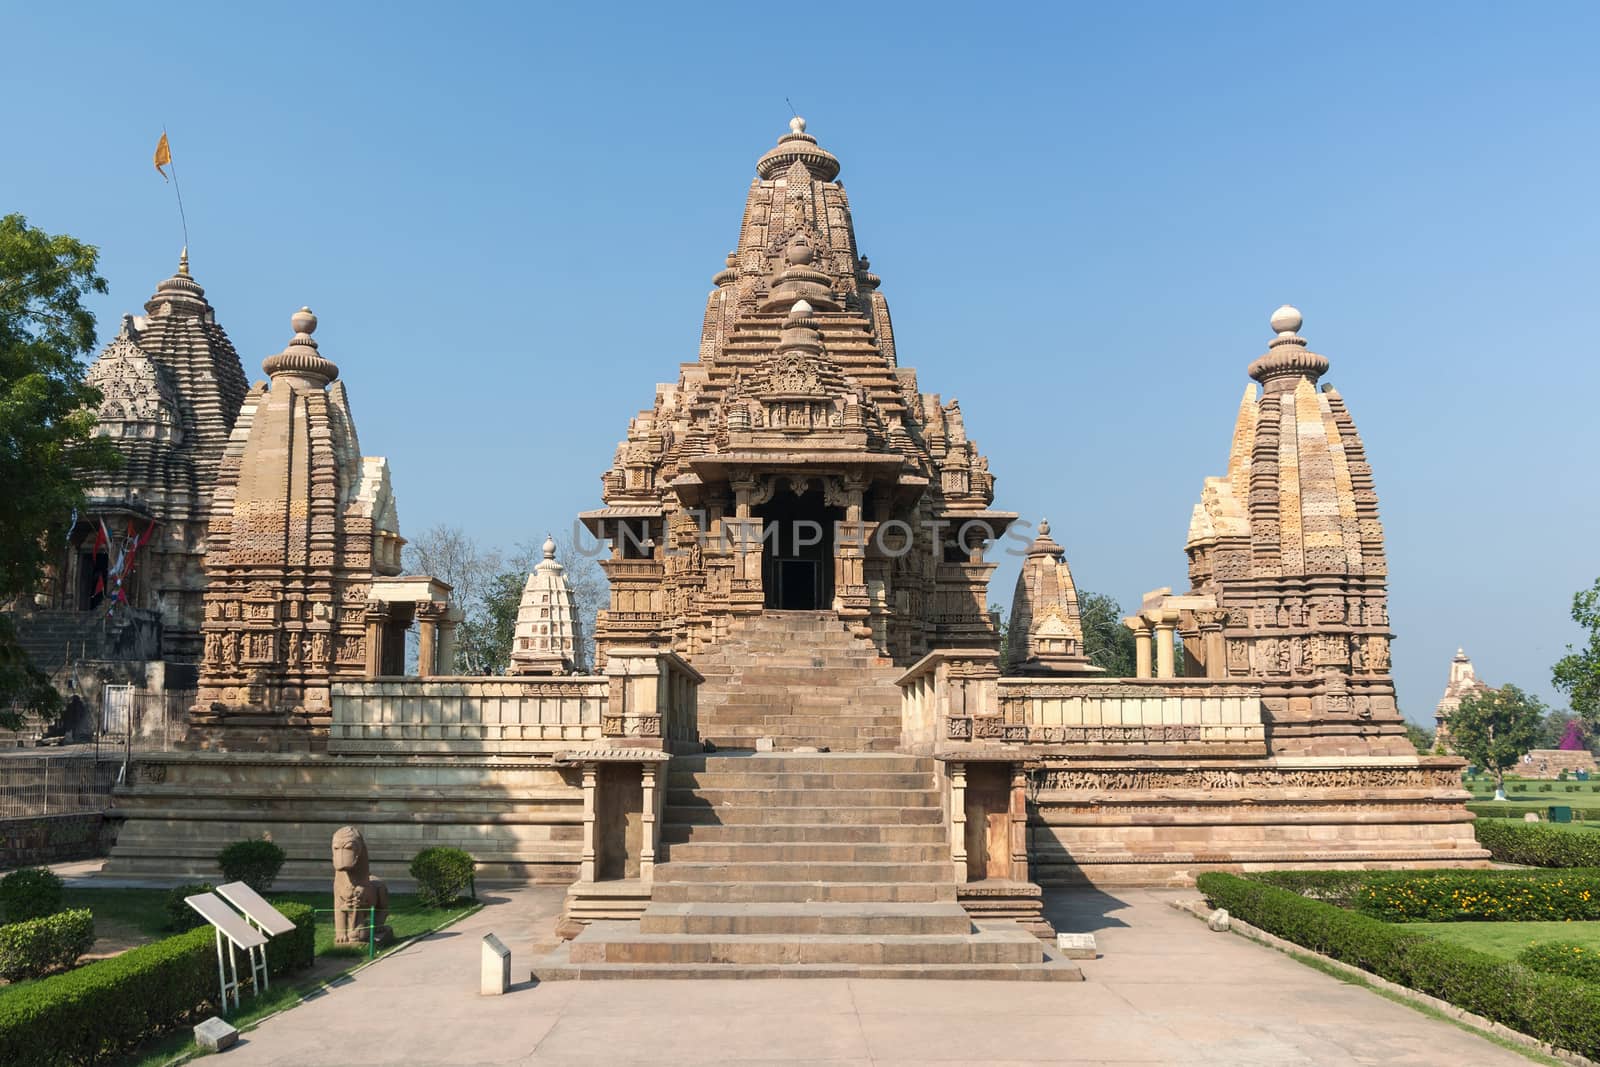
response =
{"points": [[359, 898]]}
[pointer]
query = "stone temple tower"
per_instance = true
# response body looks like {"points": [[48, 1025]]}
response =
{"points": [[302, 527], [796, 466], [172, 387], [1289, 548]]}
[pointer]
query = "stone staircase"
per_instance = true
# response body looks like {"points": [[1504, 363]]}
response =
{"points": [[802, 679], [800, 865]]}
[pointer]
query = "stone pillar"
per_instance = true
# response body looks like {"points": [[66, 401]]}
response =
{"points": [[377, 620], [1019, 823], [1141, 645], [648, 831], [427, 639], [1211, 623], [1165, 624], [958, 820], [446, 658], [586, 864]]}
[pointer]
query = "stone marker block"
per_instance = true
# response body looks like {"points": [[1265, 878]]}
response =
{"points": [[763, 744], [496, 978], [214, 1035], [1219, 920], [1076, 946]]}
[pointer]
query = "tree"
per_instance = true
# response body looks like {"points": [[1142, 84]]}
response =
{"points": [[1106, 642], [47, 418], [1577, 674], [1420, 736], [1494, 728]]}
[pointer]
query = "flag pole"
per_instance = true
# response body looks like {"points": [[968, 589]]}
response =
{"points": [[176, 188]]}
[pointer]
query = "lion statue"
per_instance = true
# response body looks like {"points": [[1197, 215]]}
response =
{"points": [[356, 892]]}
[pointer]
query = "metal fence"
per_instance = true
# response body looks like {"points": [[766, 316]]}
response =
{"points": [[57, 785]]}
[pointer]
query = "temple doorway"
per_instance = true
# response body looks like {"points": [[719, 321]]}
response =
{"points": [[797, 551]]}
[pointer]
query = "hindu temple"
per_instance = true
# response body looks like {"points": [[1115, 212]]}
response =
{"points": [[122, 604], [803, 750]]}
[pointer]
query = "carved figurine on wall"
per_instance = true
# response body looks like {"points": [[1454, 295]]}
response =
{"points": [[358, 897]]}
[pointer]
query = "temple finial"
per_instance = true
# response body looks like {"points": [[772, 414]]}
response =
{"points": [[797, 125], [1287, 357], [1286, 321], [183, 262], [549, 547]]}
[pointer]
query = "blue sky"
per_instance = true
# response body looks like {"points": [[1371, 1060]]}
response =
{"points": [[507, 218]]}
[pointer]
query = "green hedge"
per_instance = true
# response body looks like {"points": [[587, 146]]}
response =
{"points": [[38, 946], [105, 1009], [1449, 896], [1562, 1011], [1562, 957], [1538, 845]]}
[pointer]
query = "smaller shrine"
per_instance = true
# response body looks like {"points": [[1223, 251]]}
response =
{"points": [[1045, 635], [1463, 682], [547, 638]]}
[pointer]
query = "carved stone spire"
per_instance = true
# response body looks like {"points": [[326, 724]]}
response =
{"points": [[1046, 631]]}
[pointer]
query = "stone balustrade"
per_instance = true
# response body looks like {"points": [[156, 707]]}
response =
{"points": [[645, 699], [1131, 711], [954, 699], [466, 716]]}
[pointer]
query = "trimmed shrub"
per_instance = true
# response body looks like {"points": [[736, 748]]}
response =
{"points": [[1562, 957], [1562, 1011], [1449, 896], [293, 951], [102, 1010], [36, 947], [1538, 845], [180, 916], [443, 875], [1477, 896], [30, 893], [254, 861]]}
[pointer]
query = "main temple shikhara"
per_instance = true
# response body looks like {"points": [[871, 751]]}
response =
{"points": [[800, 708]]}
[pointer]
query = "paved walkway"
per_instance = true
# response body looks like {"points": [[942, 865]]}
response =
{"points": [[1165, 991]]}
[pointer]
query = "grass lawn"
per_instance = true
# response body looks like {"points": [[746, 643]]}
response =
{"points": [[1507, 939], [145, 911]]}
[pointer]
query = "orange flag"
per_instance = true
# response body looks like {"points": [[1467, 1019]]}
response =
{"points": [[163, 154]]}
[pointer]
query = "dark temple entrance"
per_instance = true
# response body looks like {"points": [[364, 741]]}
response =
{"points": [[797, 550]]}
